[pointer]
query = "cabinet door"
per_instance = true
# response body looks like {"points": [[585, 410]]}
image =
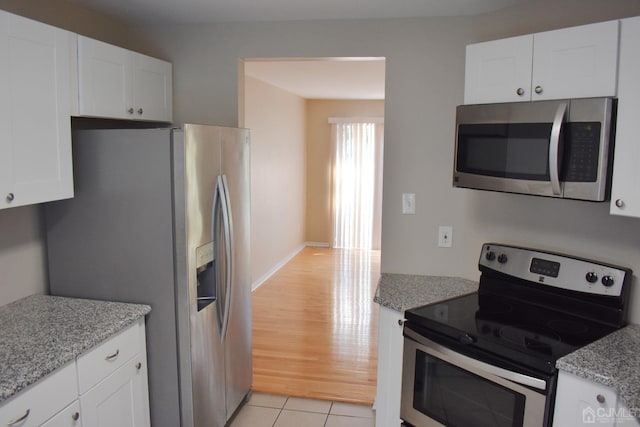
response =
{"points": [[39, 402], [625, 190], [120, 400], [389, 386], [68, 417], [105, 76], [578, 62], [580, 402], [35, 126], [152, 88], [499, 71]]}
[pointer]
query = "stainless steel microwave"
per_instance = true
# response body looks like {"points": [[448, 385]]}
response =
{"points": [[557, 148]]}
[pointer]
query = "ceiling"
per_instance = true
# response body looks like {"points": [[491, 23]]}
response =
{"points": [[208, 11], [308, 78], [323, 78]]}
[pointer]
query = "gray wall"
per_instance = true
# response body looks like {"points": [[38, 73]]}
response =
{"points": [[424, 83], [22, 249]]}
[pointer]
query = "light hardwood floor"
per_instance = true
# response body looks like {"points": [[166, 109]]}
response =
{"points": [[315, 327]]}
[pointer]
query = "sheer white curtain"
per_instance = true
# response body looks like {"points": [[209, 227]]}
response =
{"points": [[357, 182]]}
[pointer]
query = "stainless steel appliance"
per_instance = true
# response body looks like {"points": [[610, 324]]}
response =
{"points": [[549, 148], [488, 358], [161, 217]]}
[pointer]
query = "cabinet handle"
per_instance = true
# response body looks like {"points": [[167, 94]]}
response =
{"points": [[140, 111], [620, 203], [130, 110], [600, 398], [520, 91], [19, 420], [10, 197], [538, 89], [75, 416], [114, 356], [138, 366], [401, 322]]}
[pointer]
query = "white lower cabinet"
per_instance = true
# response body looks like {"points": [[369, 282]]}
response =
{"points": [[121, 399], [580, 402], [106, 386], [68, 417], [389, 386], [36, 404]]}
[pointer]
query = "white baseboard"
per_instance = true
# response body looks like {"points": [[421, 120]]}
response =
{"points": [[255, 285], [317, 244]]}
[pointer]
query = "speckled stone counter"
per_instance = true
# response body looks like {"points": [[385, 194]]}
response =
{"points": [[41, 333], [613, 361], [401, 292]]}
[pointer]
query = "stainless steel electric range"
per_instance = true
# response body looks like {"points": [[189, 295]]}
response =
{"points": [[488, 358]]}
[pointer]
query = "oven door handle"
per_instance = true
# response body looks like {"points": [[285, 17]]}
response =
{"points": [[460, 360]]}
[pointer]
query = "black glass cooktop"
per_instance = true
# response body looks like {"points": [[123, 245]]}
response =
{"points": [[510, 329]]}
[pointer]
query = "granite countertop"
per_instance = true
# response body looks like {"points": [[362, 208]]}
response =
{"points": [[613, 361], [41, 333], [402, 292]]}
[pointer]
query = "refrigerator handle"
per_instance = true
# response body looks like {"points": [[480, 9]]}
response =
{"points": [[228, 247], [218, 200]]}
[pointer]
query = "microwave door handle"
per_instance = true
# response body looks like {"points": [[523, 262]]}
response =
{"points": [[554, 148]]}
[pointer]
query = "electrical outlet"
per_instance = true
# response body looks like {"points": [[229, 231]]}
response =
{"points": [[445, 236], [408, 203]]}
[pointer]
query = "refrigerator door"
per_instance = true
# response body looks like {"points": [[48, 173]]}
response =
{"points": [[201, 170], [237, 339]]}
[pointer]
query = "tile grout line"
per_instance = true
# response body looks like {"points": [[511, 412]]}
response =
{"points": [[280, 412]]}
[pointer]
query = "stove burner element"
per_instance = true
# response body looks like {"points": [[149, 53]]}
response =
{"points": [[539, 340]]}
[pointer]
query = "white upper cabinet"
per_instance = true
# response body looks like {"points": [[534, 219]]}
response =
{"points": [[121, 84], [499, 71], [577, 62], [35, 110], [625, 189]]}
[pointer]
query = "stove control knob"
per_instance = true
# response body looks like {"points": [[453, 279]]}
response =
{"points": [[467, 339], [591, 277], [502, 259], [607, 281], [490, 256]]}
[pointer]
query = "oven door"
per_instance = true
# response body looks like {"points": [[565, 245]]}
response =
{"points": [[441, 387]]}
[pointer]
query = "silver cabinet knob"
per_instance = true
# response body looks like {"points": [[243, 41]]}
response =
{"points": [[75, 416], [520, 91], [10, 197], [140, 111], [538, 89], [130, 110], [401, 322], [600, 398], [620, 203]]}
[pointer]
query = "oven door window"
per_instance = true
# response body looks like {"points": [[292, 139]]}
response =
{"points": [[515, 150], [458, 398]]}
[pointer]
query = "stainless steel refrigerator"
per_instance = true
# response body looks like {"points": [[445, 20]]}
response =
{"points": [[161, 217]]}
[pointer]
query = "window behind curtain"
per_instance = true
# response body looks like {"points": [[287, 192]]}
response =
{"points": [[357, 183]]}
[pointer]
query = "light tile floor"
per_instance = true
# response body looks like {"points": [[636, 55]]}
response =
{"points": [[269, 410]]}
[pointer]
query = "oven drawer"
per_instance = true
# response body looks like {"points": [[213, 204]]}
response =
{"points": [[441, 387]]}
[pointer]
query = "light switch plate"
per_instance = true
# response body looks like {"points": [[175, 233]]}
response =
{"points": [[408, 203]]}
